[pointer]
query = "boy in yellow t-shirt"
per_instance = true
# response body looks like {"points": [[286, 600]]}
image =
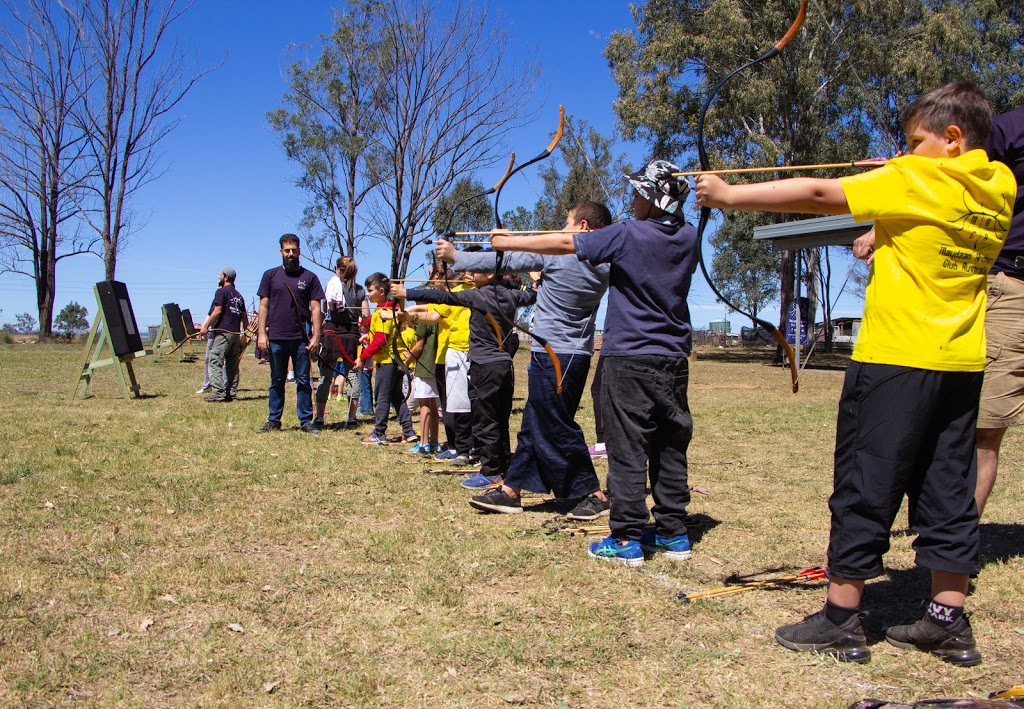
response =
{"points": [[910, 397], [378, 347]]}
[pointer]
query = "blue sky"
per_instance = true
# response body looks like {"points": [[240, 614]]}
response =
{"points": [[226, 193]]}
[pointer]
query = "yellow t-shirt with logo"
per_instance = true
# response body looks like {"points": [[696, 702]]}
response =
{"points": [[456, 320], [387, 327], [939, 225], [442, 335]]}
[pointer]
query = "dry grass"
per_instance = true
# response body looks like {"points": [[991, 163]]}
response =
{"points": [[139, 537]]}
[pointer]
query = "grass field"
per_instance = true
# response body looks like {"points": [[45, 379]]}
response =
{"points": [[161, 552]]}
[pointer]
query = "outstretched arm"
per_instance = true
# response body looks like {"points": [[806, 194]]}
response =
{"points": [[551, 244], [805, 195]]}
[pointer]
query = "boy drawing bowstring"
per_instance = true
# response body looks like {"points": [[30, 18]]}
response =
{"points": [[652, 259], [909, 403]]}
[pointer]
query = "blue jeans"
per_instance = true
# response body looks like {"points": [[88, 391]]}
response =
{"points": [[280, 352], [365, 393], [551, 453]]}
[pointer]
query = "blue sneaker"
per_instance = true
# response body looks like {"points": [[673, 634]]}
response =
{"points": [[372, 440], [418, 448], [676, 548], [445, 455], [622, 551], [477, 481]]}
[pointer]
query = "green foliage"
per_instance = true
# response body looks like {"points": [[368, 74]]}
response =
{"points": [[24, 324], [583, 167], [472, 212], [405, 98], [592, 172], [836, 92], [332, 110], [72, 321], [745, 270], [519, 219]]}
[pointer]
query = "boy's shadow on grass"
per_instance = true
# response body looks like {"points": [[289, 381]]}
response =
{"points": [[898, 597], [1000, 542]]}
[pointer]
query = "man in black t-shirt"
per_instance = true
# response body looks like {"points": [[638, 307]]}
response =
{"points": [[289, 299], [226, 321]]}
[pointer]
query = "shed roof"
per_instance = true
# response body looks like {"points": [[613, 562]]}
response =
{"points": [[836, 230]]}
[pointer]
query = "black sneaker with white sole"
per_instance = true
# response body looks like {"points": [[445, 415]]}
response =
{"points": [[590, 508], [497, 500], [269, 426]]}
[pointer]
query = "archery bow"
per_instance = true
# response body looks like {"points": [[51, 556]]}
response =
{"points": [[447, 233], [705, 165], [500, 255]]}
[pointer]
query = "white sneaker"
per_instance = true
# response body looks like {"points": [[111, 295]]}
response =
{"points": [[203, 390]]}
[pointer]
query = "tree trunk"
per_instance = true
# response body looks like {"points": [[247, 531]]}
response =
{"points": [[45, 289], [787, 276], [109, 260]]}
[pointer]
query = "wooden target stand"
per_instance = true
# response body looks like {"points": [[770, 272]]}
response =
{"points": [[113, 340], [176, 331]]}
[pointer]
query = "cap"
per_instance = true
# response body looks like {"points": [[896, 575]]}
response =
{"points": [[656, 184], [229, 273]]}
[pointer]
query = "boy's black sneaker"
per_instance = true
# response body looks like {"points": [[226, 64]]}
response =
{"points": [[816, 633], [269, 426], [590, 508], [495, 500], [955, 645], [309, 427]]}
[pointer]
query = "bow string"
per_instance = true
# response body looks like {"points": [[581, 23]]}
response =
{"points": [[705, 165]]}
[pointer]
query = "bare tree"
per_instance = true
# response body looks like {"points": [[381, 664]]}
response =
{"points": [[333, 108], [403, 102], [40, 176], [132, 76], [454, 97]]}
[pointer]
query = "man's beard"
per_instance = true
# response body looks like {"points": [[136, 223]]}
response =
{"points": [[291, 265], [220, 282]]}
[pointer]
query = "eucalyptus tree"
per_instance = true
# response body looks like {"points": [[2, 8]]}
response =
{"points": [[440, 95], [328, 126], [835, 94], [587, 168]]}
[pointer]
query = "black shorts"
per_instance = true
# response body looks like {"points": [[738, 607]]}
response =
{"points": [[905, 431]]}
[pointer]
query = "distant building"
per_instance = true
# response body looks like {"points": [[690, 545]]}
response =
{"points": [[722, 327], [844, 333]]}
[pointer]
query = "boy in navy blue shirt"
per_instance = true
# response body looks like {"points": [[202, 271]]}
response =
{"points": [[647, 415]]}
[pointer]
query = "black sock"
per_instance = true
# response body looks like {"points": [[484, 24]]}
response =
{"points": [[944, 616], [837, 615]]}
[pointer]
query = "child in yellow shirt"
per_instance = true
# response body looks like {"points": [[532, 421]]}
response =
{"points": [[388, 382], [910, 397]]}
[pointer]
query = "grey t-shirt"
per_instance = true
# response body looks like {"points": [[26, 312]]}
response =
{"points": [[567, 301]]}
